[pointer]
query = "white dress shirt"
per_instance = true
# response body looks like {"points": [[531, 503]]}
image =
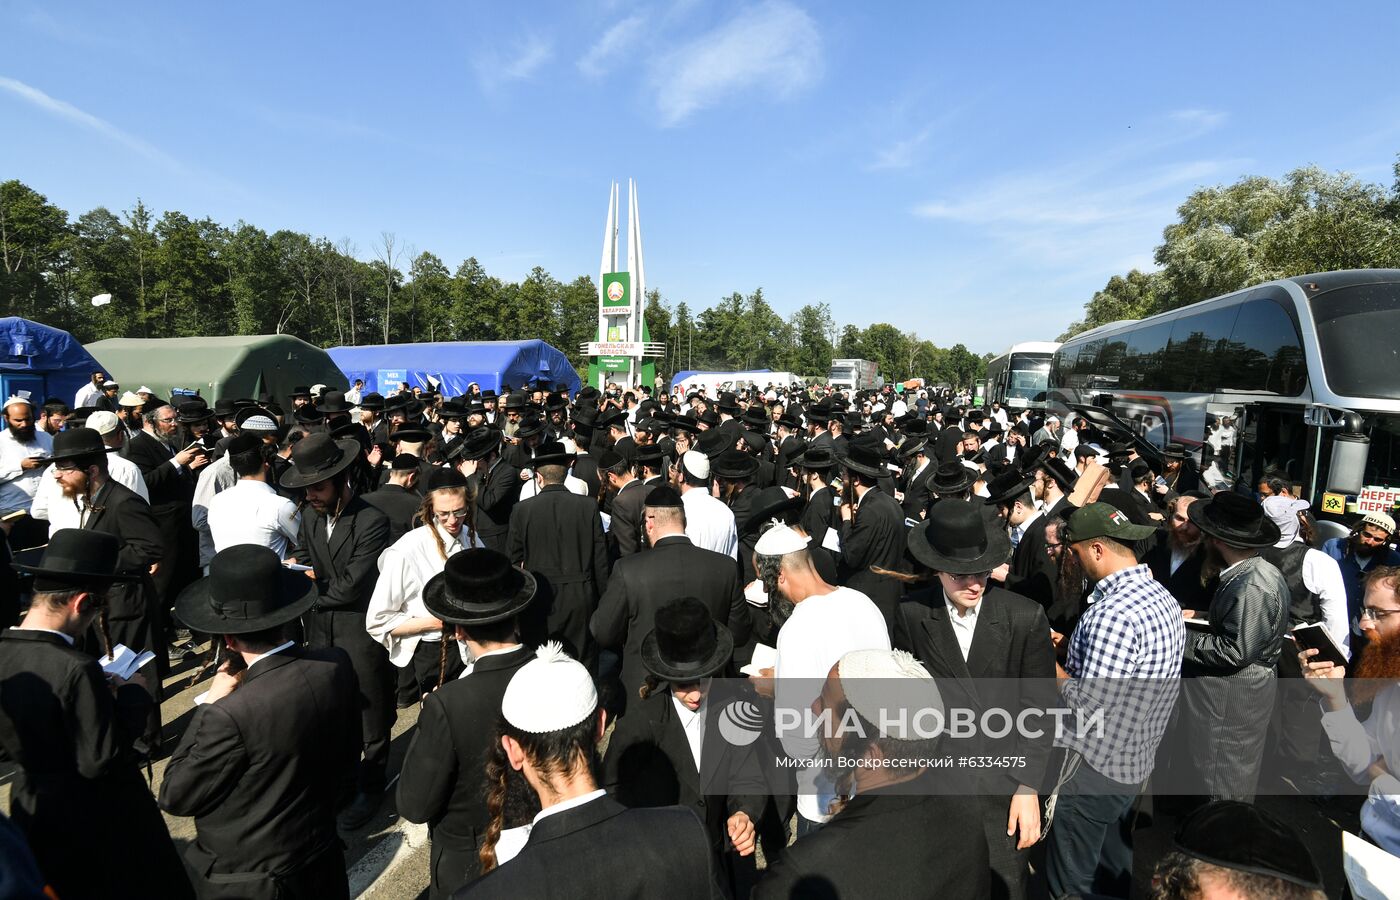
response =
{"points": [[1356, 745], [709, 523], [18, 484], [1323, 577], [693, 724], [964, 624], [50, 505], [87, 395], [405, 568], [251, 512], [214, 478]]}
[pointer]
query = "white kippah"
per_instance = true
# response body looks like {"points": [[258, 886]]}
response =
{"points": [[145, 390], [696, 463], [130, 399], [780, 541], [551, 692], [888, 688], [1380, 520], [258, 423], [102, 422]]}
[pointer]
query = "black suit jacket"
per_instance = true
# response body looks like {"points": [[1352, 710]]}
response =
{"points": [[71, 741], [443, 780], [1010, 646], [1185, 583], [946, 447], [398, 505], [644, 582], [649, 763], [879, 846], [169, 488], [603, 849], [625, 532], [1033, 572], [916, 491], [346, 562], [263, 769], [120, 511], [875, 536], [497, 493]]}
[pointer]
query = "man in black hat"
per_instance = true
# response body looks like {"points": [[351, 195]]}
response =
{"points": [[398, 498], [1226, 706], [341, 539], [919, 469], [734, 472], [673, 566], [1234, 849], [444, 783], [69, 729], [274, 746], [872, 530], [822, 514], [495, 481], [964, 628], [627, 495], [558, 536], [669, 751]]}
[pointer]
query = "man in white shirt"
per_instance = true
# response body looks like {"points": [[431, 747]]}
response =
{"points": [[251, 512], [23, 451], [87, 394], [49, 504], [708, 522], [819, 623]]}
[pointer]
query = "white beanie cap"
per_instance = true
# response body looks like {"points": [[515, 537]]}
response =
{"points": [[551, 692], [780, 541], [888, 688], [696, 463]]}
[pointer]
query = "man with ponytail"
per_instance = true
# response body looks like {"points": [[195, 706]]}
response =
{"points": [[582, 843], [477, 597], [78, 794]]}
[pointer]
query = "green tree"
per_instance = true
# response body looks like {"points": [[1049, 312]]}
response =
{"points": [[33, 237]]}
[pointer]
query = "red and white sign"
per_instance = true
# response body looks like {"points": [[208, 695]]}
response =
{"points": [[616, 348], [1377, 499]]}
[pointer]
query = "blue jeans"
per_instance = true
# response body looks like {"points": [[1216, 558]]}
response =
{"points": [[1089, 849]]}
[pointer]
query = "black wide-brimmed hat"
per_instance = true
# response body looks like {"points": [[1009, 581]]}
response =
{"points": [[733, 464], [247, 589], [584, 417], [477, 587], [317, 457], [475, 444], [308, 415], [716, 441], [517, 400], [1235, 519], [73, 557], [553, 453], [410, 435], [1007, 485], [452, 409], [863, 458], [912, 445], [951, 478], [373, 401], [818, 457], [1236, 835], [650, 453], [768, 504], [333, 403], [76, 443], [225, 407], [1174, 451], [686, 424], [530, 426], [755, 417], [956, 539], [192, 412], [686, 644]]}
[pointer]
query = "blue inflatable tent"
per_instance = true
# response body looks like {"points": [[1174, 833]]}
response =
{"points": [[455, 364], [44, 361]]}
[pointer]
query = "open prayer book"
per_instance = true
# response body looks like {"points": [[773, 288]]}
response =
{"points": [[764, 657], [123, 662]]}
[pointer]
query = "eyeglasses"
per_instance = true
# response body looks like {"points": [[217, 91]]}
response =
{"points": [[1377, 615], [451, 515], [1050, 546]]}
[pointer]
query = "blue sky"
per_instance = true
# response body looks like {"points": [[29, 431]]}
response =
{"points": [[971, 172]]}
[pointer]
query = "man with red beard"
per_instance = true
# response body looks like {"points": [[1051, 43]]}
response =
{"points": [[1370, 751]]}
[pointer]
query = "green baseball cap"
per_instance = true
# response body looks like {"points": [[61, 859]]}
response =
{"points": [[1102, 520]]}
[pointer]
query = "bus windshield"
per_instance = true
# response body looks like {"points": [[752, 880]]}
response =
{"points": [[1028, 377], [1356, 329]]}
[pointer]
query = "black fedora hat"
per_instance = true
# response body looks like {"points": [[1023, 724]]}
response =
{"points": [[72, 558], [1007, 485], [716, 441], [755, 416], [247, 589], [477, 587], [790, 422], [1174, 451], [1235, 519], [767, 505], [309, 415], [301, 390], [517, 400], [475, 444], [686, 424], [951, 478], [1237, 835], [333, 403], [686, 644], [864, 458], [411, 435], [553, 453], [708, 418], [317, 457], [373, 401], [733, 464], [192, 412], [76, 443], [530, 426], [452, 409], [912, 445], [956, 539], [225, 407], [818, 457], [610, 419]]}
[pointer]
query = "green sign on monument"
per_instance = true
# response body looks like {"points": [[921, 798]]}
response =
{"points": [[617, 291]]}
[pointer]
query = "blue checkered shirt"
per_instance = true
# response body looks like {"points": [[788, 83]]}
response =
{"points": [[1125, 659]]}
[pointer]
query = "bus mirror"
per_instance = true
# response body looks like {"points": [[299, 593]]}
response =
{"points": [[1320, 416], [1347, 473]]}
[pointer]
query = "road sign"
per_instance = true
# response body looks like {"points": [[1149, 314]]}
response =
{"points": [[1335, 504]]}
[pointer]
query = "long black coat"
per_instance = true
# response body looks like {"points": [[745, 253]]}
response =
{"points": [[625, 532], [916, 491], [169, 488], [644, 582], [443, 780], [887, 845], [649, 763], [132, 607], [398, 505], [1185, 583], [1033, 572], [875, 536], [497, 492], [602, 849], [558, 536], [78, 795], [346, 561], [819, 515], [263, 769]]}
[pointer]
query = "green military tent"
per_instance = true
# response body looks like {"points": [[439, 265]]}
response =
{"points": [[235, 366]]}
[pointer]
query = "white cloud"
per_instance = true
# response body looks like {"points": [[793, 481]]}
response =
{"points": [[71, 113], [514, 64], [773, 47], [901, 154], [614, 42]]}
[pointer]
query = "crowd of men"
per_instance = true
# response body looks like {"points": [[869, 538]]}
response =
{"points": [[567, 586]]}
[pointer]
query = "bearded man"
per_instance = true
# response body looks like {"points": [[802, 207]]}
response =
{"points": [[1366, 547], [1176, 562], [24, 452], [1368, 751]]}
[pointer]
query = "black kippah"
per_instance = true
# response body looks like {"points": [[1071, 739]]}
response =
{"points": [[665, 495]]}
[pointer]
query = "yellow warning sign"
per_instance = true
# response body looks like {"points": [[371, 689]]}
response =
{"points": [[1334, 503]]}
